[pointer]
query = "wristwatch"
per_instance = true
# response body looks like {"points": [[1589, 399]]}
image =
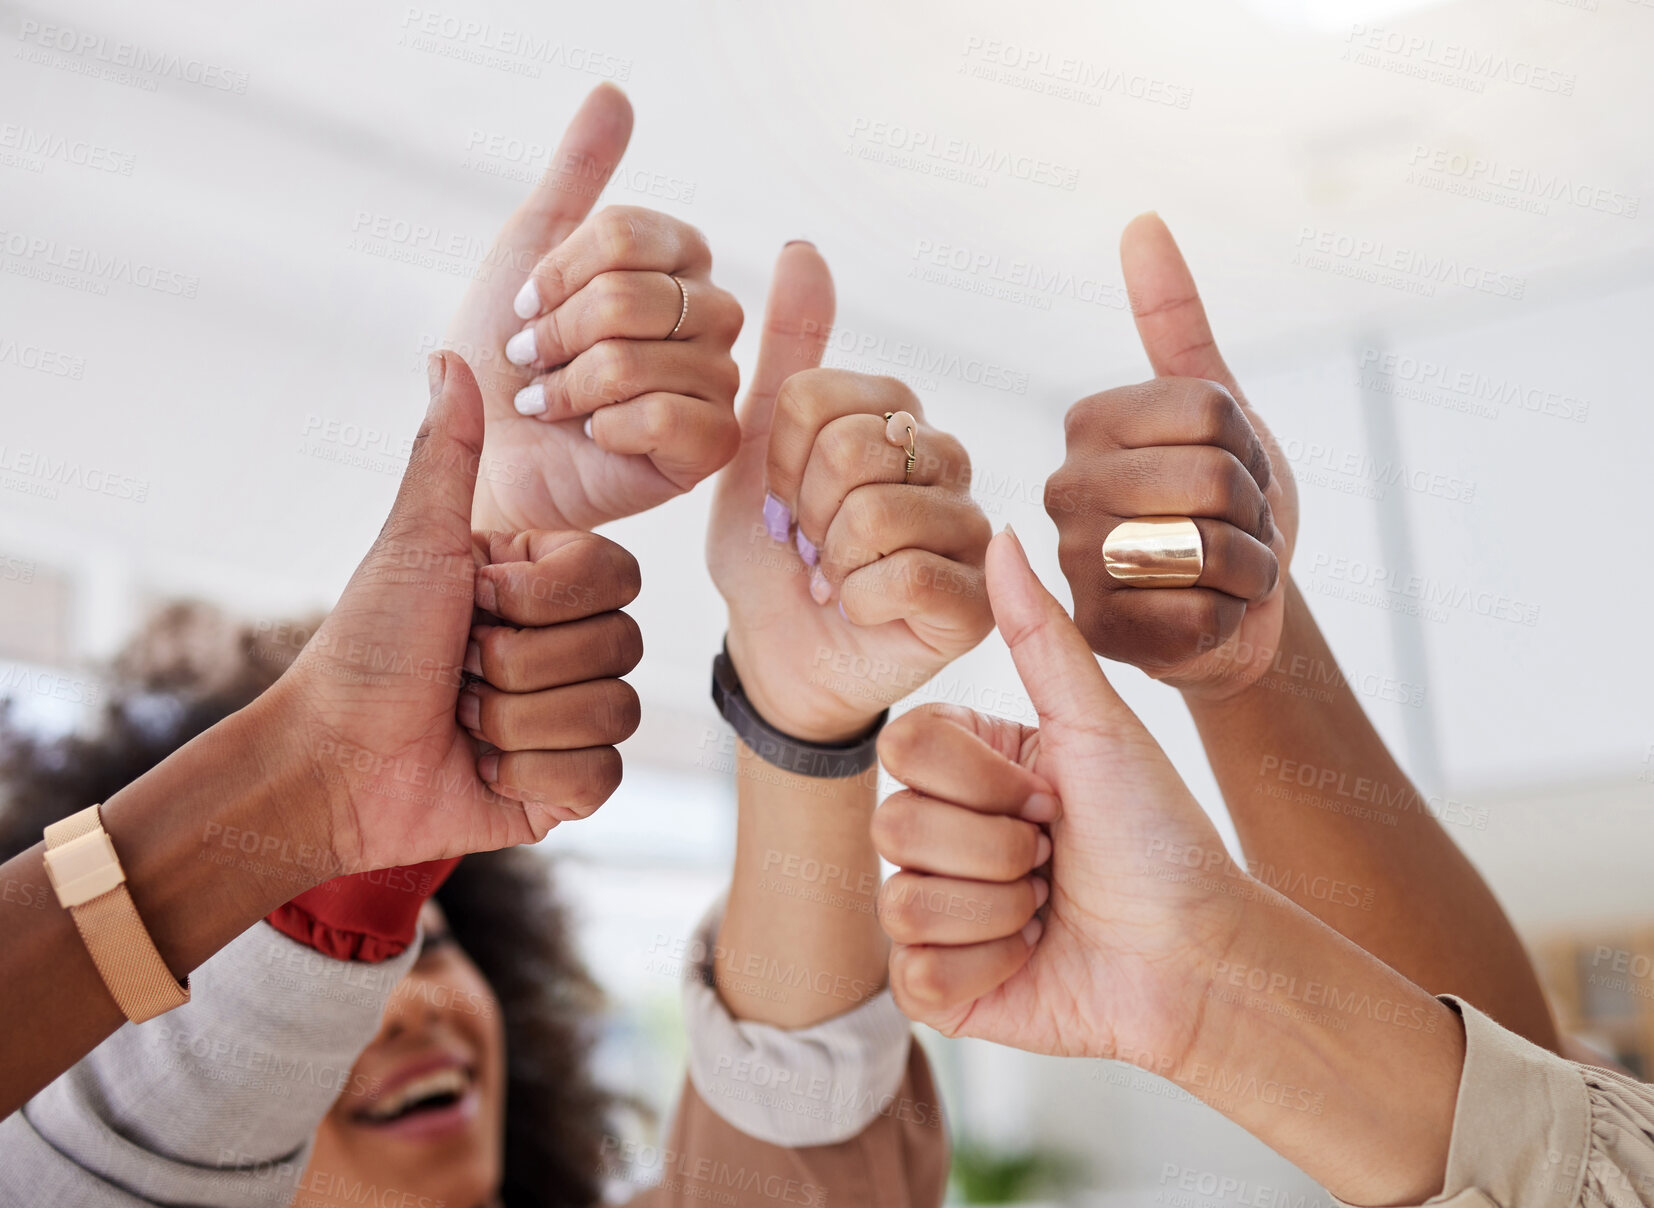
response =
{"points": [[820, 760], [91, 885]]}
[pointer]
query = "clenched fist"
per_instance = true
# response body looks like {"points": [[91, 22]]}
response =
{"points": [[1186, 443]]}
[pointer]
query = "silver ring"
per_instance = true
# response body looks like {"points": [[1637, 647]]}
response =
{"points": [[683, 312]]}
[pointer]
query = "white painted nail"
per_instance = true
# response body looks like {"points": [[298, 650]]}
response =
{"points": [[527, 303], [531, 400], [587, 427], [519, 349]]}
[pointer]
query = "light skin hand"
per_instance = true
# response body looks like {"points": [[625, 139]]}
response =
{"points": [[852, 588], [1243, 647], [905, 560], [587, 344], [1135, 956]]}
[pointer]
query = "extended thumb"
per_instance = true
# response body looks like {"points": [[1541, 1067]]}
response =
{"points": [[798, 318], [1062, 678], [441, 476]]}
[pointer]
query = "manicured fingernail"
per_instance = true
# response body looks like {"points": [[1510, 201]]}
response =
{"points": [[470, 710], [820, 590], [1042, 849], [841, 611], [530, 400], [1040, 807], [797, 242], [436, 369], [519, 349], [1042, 892], [488, 767], [778, 518], [527, 302], [1032, 932], [806, 548], [487, 594], [473, 658], [587, 427]]}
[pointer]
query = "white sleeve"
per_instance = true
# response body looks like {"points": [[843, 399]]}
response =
{"points": [[213, 1103], [812, 1086]]}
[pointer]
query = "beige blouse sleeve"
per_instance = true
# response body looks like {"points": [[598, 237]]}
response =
{"points": [[1532, 1130]]}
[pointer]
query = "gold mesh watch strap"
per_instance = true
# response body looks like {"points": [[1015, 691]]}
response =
{"points": [[119, 943]]}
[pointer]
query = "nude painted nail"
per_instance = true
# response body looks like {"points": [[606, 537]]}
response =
{"points": [[470, 710], [1042, 892], [806, 549], [1042, 849], [587, 427], [527, 302], [778, 518], [519, 349], [820, 590], [530, 400]]}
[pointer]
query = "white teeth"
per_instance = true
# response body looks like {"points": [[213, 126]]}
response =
{"points": [[451, 1080]]}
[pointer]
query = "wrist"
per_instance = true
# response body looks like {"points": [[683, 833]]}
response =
{"points": [[219, 834], [797, 710], [1260, 674]]}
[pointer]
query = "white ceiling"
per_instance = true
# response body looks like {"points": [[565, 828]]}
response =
{"points": [[755, 118]]}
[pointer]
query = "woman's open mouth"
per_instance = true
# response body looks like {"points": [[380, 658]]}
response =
{"points": [[428, 1104]]}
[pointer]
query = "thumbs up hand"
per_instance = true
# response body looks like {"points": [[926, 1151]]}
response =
{"points": [[1046, 898], [850, 579], [1186, 443], [462, 695]]}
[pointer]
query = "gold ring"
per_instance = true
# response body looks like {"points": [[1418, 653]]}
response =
{"points": [[1155, 551], [894, 423], [683, 311]]}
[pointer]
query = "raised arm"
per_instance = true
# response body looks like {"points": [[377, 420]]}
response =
{"points": [[1325, 1053], [1263, 687], [851, 579], [365, 755], [1150, 952]]}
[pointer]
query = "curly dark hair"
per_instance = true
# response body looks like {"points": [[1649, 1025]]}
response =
{"points": [[190, 668]]}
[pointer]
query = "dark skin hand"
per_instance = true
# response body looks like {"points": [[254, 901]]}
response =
{"points": [[1239, 642], [374, 750]]}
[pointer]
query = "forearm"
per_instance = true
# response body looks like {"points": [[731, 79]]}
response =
{"points": [[1328, 1056], [1326, 816], [800, 941], [193, 890]]}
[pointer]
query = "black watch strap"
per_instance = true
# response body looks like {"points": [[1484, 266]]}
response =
{"points": [[821, 760]]}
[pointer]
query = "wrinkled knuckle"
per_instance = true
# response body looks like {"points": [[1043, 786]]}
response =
{"points": [[612, 302], [596, 784], [617, 235], [1212, 412], [842, 454], [924, 980], [797, 392]]}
